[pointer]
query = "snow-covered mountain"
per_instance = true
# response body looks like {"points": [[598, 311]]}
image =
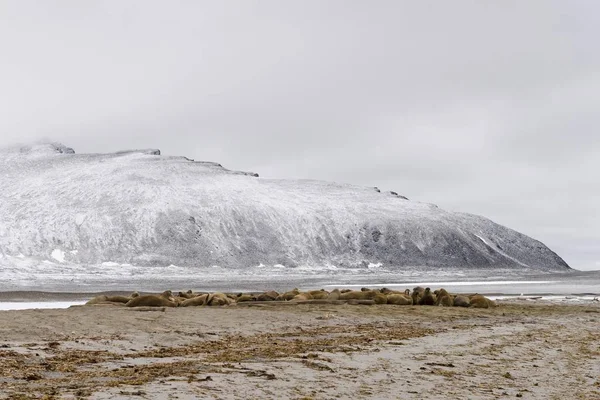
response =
{"points": [[141, 209]]}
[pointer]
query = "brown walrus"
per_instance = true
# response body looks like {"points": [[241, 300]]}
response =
{"points": [[419, 289], [244, 298], [461, 301], [302, 296], [268, 296], [199, 300], [415, 298], [417, 294], [391, 291], [427, 299], [479, 301], [443, 298], [334, 295], [399, 299], [107, 299], [218, 299], [375, 295], [354, 295], [319, 294], [288, 295], [378, 297], [186, 295], [165, 299], [179, 299]]}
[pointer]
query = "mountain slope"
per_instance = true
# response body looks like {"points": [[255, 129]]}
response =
{"points": [[144, 209]]}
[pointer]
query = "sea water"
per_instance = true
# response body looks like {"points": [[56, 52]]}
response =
{"points": [[572, 286]]}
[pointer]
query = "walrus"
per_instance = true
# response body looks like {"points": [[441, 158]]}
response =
{"points": [[106, 299], [427, 299], [399, 299], [378, 297], [354, 295], [445, 301], [417, 294], [218, 299], [245, 297], [268, 296], [187, 295], [391, 291], [288, 295], [415, 298], [302, 296], [179, 299], [199, 300], [319, 294], [420, 290], [334, 295], [165, 299], [461, 301], [443, 298], [479, 301], [375, 295]]}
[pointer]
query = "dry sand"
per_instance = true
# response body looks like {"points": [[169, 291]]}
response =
{"points": [[527, 349]]}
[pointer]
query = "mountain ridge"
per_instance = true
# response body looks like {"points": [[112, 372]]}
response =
{"points": [[141, 208]]}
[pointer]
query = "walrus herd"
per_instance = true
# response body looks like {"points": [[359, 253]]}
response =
{"points": [[419, 296]]}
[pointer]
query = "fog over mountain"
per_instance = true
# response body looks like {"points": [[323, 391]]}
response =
{"points": [[141, 209]]}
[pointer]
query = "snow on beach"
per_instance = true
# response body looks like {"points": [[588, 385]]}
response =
{"points": [[29, 305]]}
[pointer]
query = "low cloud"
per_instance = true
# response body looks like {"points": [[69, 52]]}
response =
{"points": [[489, 108]]}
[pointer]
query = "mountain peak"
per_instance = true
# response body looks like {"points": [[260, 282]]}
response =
{"points": [[38, 149]]}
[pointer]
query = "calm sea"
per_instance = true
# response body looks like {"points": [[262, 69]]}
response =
{"points": [[584, 285]]}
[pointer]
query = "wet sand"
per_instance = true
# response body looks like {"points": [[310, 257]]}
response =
{"points": [[533, 350]]}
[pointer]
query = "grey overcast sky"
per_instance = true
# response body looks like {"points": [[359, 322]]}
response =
{"points": [[487, 107]]}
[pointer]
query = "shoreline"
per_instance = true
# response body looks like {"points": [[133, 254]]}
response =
{"points": [[48, 297]]}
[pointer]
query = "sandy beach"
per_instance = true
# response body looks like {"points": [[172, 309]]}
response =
{"points": [[532, 350]]}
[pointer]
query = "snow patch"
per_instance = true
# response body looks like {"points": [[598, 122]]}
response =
{"points": [[110, 264], [497, 250], [79, 219], [27, 305], [483, 240], [58, 255]]}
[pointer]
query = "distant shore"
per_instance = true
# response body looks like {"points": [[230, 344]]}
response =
{"points": [[224, 280]]}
